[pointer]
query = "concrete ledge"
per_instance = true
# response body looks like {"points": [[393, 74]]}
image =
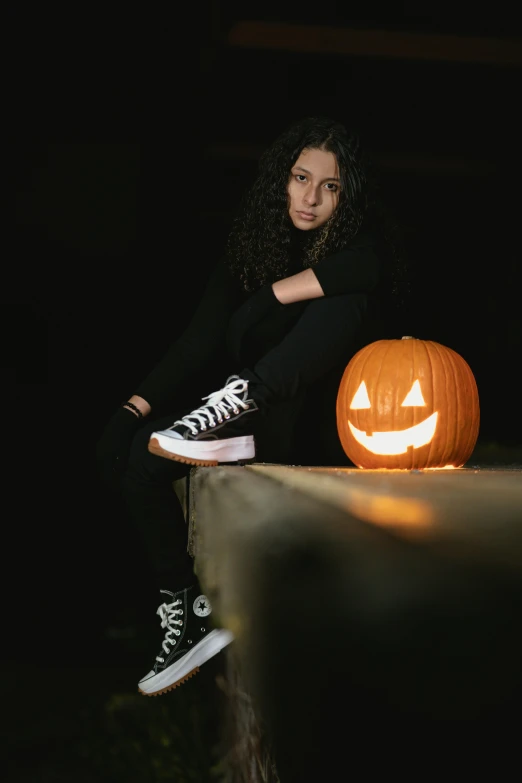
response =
{"points": [[479, 508], [390, 600]]}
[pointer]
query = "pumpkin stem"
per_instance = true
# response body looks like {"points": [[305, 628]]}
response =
{"points": [[407, 338]]}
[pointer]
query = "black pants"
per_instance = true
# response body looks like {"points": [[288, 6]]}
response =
{"points": [[296, 380], [154, 506], [155, 509]]}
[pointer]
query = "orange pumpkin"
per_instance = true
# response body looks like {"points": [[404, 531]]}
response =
{"points": [[407, 404]]}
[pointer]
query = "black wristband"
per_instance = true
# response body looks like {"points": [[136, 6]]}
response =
{"points": [[133, 407]]}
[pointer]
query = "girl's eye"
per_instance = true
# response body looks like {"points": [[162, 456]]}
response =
{"points": [[333, 187]]}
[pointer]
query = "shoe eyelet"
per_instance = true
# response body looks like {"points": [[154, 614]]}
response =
{"points": [[202, 630], [189, 641]]}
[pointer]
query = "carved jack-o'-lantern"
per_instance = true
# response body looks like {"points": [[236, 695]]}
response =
{"points": [[407, 404]]}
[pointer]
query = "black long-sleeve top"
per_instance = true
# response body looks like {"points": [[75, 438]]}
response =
{"points": [[233, 329]]}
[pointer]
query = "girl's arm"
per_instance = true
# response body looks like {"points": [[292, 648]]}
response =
{"points": [[354, 270], [296, 288]]}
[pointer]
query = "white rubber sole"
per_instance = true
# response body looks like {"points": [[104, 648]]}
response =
{"points": [[155, 684], [203, 452]]}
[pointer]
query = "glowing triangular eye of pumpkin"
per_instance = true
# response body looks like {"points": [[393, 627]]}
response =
{"points": [[414, 396], [360, 398]]}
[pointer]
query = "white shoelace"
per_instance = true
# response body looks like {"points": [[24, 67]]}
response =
{"points": [[222, 402], [168, 614]]}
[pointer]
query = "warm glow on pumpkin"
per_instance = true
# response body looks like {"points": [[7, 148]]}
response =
{"points": [[360, 398], [407, 404], [397, 442], [414, 396]]}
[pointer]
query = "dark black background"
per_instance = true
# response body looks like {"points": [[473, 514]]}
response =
{"points": [[132, 140], [127, 166], [131, 135]]}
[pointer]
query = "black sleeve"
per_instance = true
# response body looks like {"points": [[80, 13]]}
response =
{"points": [[324, 336], [355, 269], [203, 338]]}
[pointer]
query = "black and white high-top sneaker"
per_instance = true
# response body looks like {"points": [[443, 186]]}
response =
{"points": [[190, 640], [213, 433]]}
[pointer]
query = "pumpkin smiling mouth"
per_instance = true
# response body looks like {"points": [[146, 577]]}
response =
{"points": [[398, 441]]}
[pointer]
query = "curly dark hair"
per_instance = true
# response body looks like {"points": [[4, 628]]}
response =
{"points": [[258, 246]]}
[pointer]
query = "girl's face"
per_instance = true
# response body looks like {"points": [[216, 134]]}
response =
{"points": [[313, 188]]}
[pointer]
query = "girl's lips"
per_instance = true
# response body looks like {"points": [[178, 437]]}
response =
{"points": [[305, 216]]}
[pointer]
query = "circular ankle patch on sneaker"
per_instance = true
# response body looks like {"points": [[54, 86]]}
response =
{"points": [[202, 606]]}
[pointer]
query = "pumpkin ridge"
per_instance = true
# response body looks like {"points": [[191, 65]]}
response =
{"points": [[387, 349], [367, 357], [460, 396], [416, 344], [451, 396], [426, 349], [469, 379], [435, 362], [476, 411]]}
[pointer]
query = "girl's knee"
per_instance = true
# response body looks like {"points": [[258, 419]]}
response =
{"points": [[145, 468]]}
